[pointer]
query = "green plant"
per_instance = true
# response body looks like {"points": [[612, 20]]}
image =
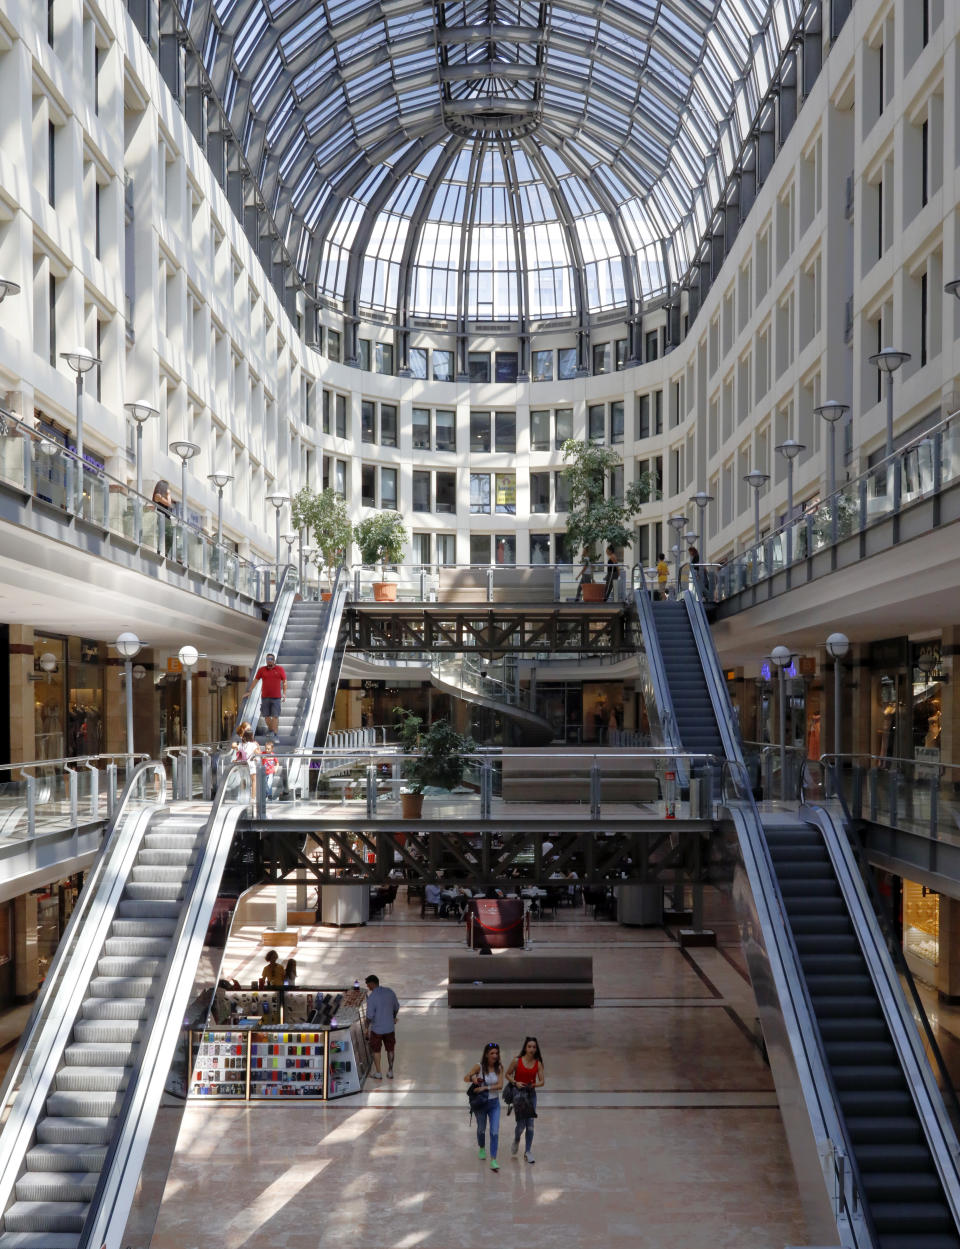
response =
{"points": [[595, 520], [381, 538], [325, 516], [440, 751]]}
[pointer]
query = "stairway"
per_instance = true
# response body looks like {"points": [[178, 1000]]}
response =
{"points": [[298, 656], [73, 1134], [692, 708], [899, 1174]]}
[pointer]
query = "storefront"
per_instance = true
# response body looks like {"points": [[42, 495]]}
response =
{"points": [[906, 699], [55, 903], [68, 696]]}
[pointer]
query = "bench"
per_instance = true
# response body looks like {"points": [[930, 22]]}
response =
{"points": [[540, 776], [520, 980], [510, 585]]}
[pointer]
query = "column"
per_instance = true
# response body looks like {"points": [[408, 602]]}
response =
{"points": [[22, 695], [25, 950]]}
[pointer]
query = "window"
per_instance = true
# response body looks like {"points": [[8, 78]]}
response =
{"points": [[561, 548], [616, 422], [51, 162], [388, 425], [506, 494], [341, 413], [383, 358], [442, 366], [601, 358], [505, 366], [539, 493], [539, 548], [326, 411], [421, 492], [368, 421], [363, 354], [368, 485], [506, 547], [479, 492], [620, 353], [543, 366], [505, 432], [418, 363], [566, 363], [658, 412], [333, 346], [924, 320], [98, 216], [924, 163], [420, 548], [561, 493], [445, 429], [388, 488], [540, 430], [596, 422], [616, 482], [479, 431], [340, 478], [651, 344], [564, 426], [421, 429], [446, 492], [478, 366], [479, 548], [446, 548]]}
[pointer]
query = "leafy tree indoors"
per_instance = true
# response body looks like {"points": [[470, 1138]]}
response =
{"points": [[441, 751], [594, 519], [324, 515]]}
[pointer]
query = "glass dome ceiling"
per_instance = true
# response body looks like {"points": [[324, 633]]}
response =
{"points": [[491, 160]]}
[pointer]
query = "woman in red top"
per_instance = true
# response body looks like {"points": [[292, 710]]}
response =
{"points": [[526, 1071]]}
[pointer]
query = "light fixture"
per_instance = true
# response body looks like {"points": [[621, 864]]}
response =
{"points": [[278, 500], [837, 646], [756, 481], [888, 360], [139, 672], [832, 411], [188, 656], [141, 411], [790, 449], [220, 479], [48, 661], [8, 287], [128, 645], [186, 451], [953, 288], [782, 657], [79, 359]]}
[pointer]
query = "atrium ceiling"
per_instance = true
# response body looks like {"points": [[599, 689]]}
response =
{"points": [[491, 160]]}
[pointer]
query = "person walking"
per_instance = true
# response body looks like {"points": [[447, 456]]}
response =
{"points": [[586, 573], [525, 1073], [248, 751], [273, 690], [381, 1026], [663, 575], [488, 1074], [613, 573]]}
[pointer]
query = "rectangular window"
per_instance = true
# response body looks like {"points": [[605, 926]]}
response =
{"points": [[326, 411], [368, 421], [651, 343], [561, 493], [442, 366], [540, 493], [879, 219], [478, 366], [543, 366], [446, 548], [388, 425], [420, 548], [643, 417], [505, 431], [340, 478], [383, 358], [388, 489], [479, 431], [924, 163], [446, 492], [479, 548], [616, 422], [597, 422], [97, 217], [421, 429], [479, 492], [505, 366], [601, 358], [539, 548], [368, 485], [325, 470], [658, 412], [925, 23], [506, 548], [421, 492], [616, 482], [566, 363], [540, 430], [333, 346], [506, 494], [51, 162], [363, 354], [52, 314], [341, 412], [620, 353], [418, 363], [445, 429], [564, 427], [924, 320], [880, 78]]}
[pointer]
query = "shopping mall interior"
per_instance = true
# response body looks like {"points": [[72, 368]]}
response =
{"points": [[565, 396]]}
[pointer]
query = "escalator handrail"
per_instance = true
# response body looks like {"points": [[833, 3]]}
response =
{"points": [[54, 1012], [287, 588], [658, 676], [904, 1033], [96, 1229], [716, 686]]}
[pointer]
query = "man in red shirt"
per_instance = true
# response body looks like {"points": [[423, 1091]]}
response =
{"points": [[273, 687]]}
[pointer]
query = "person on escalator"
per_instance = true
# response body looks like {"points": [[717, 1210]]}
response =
{"points": [[273, 688]]}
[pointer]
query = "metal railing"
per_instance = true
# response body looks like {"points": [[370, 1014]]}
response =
{"points": [[45, 795], [916, 795], [521, 583]]}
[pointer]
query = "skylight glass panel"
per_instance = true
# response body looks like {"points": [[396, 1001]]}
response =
{"points": [[309, 28]]}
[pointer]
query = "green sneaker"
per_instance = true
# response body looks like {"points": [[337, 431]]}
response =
{"points": [[481, 1153], [494, 1165]]}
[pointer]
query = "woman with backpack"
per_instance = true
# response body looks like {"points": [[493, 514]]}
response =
{"points": [[487, 1077], [525, 1073]]}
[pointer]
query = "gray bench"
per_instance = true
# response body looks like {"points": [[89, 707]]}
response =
{"points": [[510, 585], [520, 980]]}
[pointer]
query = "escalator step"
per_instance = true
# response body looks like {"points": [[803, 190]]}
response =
{"points": [[831, 964], [911, 1216], [910, 1186], [813, 945], [855, 1030], [868, 1077], [828, 925], [894, 1156], [866, 1053], [891, 1130], [909, 1240], [801, 873], [802, 907], [883, 1103], [850, 1009], [797, 854], [810, 889], [834, 985]]}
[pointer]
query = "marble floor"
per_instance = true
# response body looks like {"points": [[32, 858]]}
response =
{"points": [[658, 1124]]}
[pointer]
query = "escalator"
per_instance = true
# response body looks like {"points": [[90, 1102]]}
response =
{"points": [[860, 1103]]}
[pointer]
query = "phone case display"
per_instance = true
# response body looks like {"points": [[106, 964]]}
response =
{"points": [[287, 1064], [344, 1063], [220, 1065]]}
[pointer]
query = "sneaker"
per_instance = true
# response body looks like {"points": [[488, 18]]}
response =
{"points": [[376, 1075], [390, 1074], [529, 1158], [481, 1153], [494, 1165]]}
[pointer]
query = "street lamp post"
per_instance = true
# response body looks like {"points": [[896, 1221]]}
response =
{"points": [[837, 646], [290, 539], [678, 524], [141, 410], [185, 451], [832, 411], [888, 360], [81, 361], [756, 481], [220, 480], [790, 449], [128, 646], [702, 500], [278, 500], [188, 656], [782, 658]]}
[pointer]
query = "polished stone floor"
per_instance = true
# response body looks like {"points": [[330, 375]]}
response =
{"points": [[658, 1124]]}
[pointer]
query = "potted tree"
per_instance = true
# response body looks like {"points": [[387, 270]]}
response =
{"points": [[440, 760], [381, 539], [325, 516], [596, 520]]}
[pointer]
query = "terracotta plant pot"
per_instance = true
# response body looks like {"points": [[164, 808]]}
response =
{"points": [[384, 591], [326, 596], [593, 592], [411, 806]]}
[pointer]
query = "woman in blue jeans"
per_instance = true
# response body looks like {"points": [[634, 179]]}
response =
{"points": [[526, 1074], [488, 1074]]}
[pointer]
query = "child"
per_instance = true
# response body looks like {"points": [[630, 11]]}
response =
{"points": [[270, 765]]}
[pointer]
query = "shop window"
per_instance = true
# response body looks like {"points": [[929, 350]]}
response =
{"points": [[417, 360], [479, 492], [921, 922], [446, 492], [388, 489], [479, 431], [566, 363], [388, 425], [539, 548], [506, 548], [539, 492], [564, 426], [478, 366], [421, 429], [506, 494], [542, 366], [442, 366], [540, 430], [421, 492], [368, 485], [445, 429], [479, 548], [505, 366], [505, 432]]}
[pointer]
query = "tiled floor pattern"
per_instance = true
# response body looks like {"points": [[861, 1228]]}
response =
{"points": [[658, 1126]]}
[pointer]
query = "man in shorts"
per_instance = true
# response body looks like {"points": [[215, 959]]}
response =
{"points": [[273, 687], [382, 1009]]}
